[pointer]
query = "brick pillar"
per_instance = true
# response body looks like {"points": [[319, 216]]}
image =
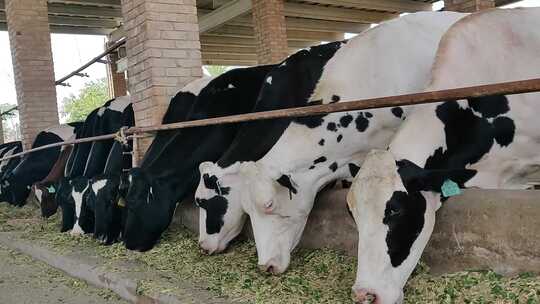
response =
{"points": [[468, 6], [164, 54], [117, 81], [270, 31], [1, 130], [31, 53]]}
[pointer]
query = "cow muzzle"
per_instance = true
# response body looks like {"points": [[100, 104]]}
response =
{"points": [[365, 296]]}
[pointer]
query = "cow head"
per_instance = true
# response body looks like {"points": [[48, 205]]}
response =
{"points": [[219, 196], [149, 212], [278, 212], [16, 190], [45, 194], [393, 204], [108, 209], [279, 205], [77, 206]]}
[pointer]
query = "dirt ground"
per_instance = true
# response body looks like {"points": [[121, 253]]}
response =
{"points": [[26, 281]]}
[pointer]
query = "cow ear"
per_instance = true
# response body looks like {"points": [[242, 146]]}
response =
{"points": [[433, 180]]}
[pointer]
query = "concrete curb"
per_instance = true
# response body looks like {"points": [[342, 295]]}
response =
{"points": [[481, 229], [95, 274]]}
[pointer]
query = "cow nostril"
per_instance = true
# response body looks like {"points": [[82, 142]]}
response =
{"points": [[268, 268], [205, 250], [364, 297]]}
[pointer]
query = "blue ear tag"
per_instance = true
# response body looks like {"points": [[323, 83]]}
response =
{"points": [[450, 188], [51, 189]]}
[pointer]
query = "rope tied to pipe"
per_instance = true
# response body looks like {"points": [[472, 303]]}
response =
{"points": [[121, 136]]}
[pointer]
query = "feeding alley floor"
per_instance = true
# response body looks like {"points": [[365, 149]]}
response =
{"points": [[177, 272]]}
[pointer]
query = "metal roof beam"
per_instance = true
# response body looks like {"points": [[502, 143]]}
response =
{"points": [[382, 5], [109, 3], [223, 14], [334, 13]]}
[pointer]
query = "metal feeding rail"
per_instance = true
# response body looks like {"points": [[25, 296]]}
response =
{"points": [[503, 88], [78, 71]]}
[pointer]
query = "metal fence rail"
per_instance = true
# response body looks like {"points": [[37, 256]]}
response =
{"points": [[503, 88], [78, 71]]}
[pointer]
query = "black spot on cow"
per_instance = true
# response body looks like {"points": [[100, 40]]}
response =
{"points": [[319, 160], [285, 181], [353, 169], [332, 127], [292, 86], [215, 210], [504, 130], [404, 216], [335, 98], [311, 167], [321, 142], [491, 106], [417, 179], [468, 136], [362, 123], [333, 167], [345, 184], [311, 121], [211, 182], [397, 111], [346, 120], [339, 138], [368, 114]]}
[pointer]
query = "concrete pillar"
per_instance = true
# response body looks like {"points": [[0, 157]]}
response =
{"points": [[31, 53], [117, 81], [270, 31], [164, 54], [468, 6]]}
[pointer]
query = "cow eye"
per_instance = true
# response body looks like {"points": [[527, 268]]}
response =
{"points": [[395, 212], [269, 206]]}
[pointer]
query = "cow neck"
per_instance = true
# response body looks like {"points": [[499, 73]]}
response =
{"points": [[80, 151], [58, 168], [179, 153], [289, 85], [35, 166]]}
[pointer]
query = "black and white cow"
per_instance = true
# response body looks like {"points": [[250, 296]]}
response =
{"points": [[111, 187], [35, 166], [76, 162], [110, 190], [168, 173], [78, 214], [6, 166], [488, 142], [302, 156]]}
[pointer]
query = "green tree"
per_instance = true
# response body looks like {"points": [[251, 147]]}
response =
{"points": [[94, 94], [7, 110], [216, 70]]}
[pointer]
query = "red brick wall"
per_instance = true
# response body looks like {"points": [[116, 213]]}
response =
{"points": [[33, 67], [270, 31], [163, 52]]}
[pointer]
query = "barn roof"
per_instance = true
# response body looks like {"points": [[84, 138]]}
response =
{"points": [[227, 35]]}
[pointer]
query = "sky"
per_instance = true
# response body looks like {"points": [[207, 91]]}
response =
{"points": [[71, 51]]}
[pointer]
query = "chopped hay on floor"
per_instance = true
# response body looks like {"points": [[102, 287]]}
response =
{"points": [[315, 276]]}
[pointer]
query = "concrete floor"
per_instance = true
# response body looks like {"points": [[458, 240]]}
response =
{"points": [[26, 281]]}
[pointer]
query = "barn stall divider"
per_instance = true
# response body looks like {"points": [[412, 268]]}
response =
{"points": [[473, 230]]}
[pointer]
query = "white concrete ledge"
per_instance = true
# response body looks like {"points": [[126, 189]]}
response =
{"points": [[481, 229]]}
